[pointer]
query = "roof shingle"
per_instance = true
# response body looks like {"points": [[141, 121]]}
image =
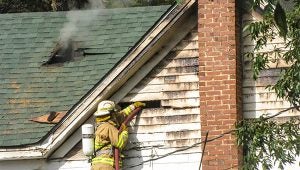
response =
{"points": [[29, 89]]}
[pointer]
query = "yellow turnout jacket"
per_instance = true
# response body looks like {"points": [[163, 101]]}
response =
{"points": [[107, 136]]}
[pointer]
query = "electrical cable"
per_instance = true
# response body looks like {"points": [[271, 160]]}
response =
{"points": [[179, 150], [204, 141], [203, 150]]}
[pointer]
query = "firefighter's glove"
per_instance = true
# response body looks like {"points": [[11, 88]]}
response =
{"points": [[139, 104], [123, 127]]}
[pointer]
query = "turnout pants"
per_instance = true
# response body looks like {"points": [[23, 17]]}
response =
{"points": [[100, 166]]}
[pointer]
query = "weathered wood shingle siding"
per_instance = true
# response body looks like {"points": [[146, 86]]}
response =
{"points": [[174, 125], [258, 100]]}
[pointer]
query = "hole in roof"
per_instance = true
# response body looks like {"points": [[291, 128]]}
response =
{"points": [[64, 52]]}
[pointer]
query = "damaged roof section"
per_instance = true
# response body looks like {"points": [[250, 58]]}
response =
{"points": [[64, 53], [52, 117], [30, 90]]}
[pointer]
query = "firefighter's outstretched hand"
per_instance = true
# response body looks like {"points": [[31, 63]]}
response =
{"points": [[139, 104], [123, 127]]}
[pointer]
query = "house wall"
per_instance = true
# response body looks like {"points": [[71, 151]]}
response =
{"points": [[45, 165], [258, 100], [176, 123]]}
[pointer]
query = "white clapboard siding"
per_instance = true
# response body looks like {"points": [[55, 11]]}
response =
{"points": [[176, 124], [260, 82], [262, 97], [265, 105], [165, 120], [154, 112], [184, 54], [170, 78], [166, 87], [277, 42], [182, 103], [182, 62], [143, 123], [248, 45], [41, 164], [187, 45], [187, 161], [164, 145], [279, 64], [272, 72], [251, 90], [166, 128], [171, 135], [257, 100], [74, 165], [172, 71], [161, 96], [270, 112], [148, 151], [186, 156]]}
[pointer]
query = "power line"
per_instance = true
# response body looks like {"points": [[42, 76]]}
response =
{"points": [[179, 150], [205, 141]]}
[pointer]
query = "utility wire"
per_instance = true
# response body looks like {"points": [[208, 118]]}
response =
{"points": [[179, 150], [279, 113], [205, 141]]}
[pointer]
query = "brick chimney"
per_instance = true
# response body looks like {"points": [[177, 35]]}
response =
{"points": [[220, 81]]}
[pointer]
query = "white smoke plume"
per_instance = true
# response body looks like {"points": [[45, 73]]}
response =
{"points": [[79, 17]]}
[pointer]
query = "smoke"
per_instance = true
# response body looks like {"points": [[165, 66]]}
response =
{"points": [[77, 18]]}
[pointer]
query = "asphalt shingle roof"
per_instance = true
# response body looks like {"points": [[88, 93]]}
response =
{"points": [[29, 89]]}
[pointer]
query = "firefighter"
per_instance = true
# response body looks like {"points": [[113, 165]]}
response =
{"points": [[108, 119]]}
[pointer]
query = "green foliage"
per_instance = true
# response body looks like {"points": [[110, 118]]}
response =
{"points": [[9, 6], [263, 140], [266, 142], [279, 20], [13, 6]]}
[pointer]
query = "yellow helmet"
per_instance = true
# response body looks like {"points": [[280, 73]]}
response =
{"points": [[105, 108]]}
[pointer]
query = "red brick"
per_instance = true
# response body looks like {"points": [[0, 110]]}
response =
{"points": [[219, 65]]}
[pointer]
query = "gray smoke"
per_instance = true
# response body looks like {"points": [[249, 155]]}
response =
{"points": [[79, 17]]}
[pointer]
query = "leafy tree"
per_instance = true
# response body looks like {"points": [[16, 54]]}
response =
{"points": [[12, 6], [9, 6], [263, 139], [266, 142], [280, 19]]}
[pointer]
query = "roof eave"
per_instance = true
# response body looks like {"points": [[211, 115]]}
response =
{"points": [[21, 154]]}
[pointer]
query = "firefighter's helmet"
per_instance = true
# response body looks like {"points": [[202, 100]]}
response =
{"points": [[105, 108]]}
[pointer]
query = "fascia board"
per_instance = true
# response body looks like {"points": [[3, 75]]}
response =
{"points": [[84, 109], [21, 154]]}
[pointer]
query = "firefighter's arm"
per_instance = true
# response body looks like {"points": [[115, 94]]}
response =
{"points": [[119, 140], [131, 108], [123, 137]]}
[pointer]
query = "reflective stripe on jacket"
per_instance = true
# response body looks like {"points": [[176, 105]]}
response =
{"points": [[105, 160], [106, 136], [128, 109]]}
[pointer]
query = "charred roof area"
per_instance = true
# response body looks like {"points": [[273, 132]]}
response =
{"points": [[65, 52], [69, 51]]}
